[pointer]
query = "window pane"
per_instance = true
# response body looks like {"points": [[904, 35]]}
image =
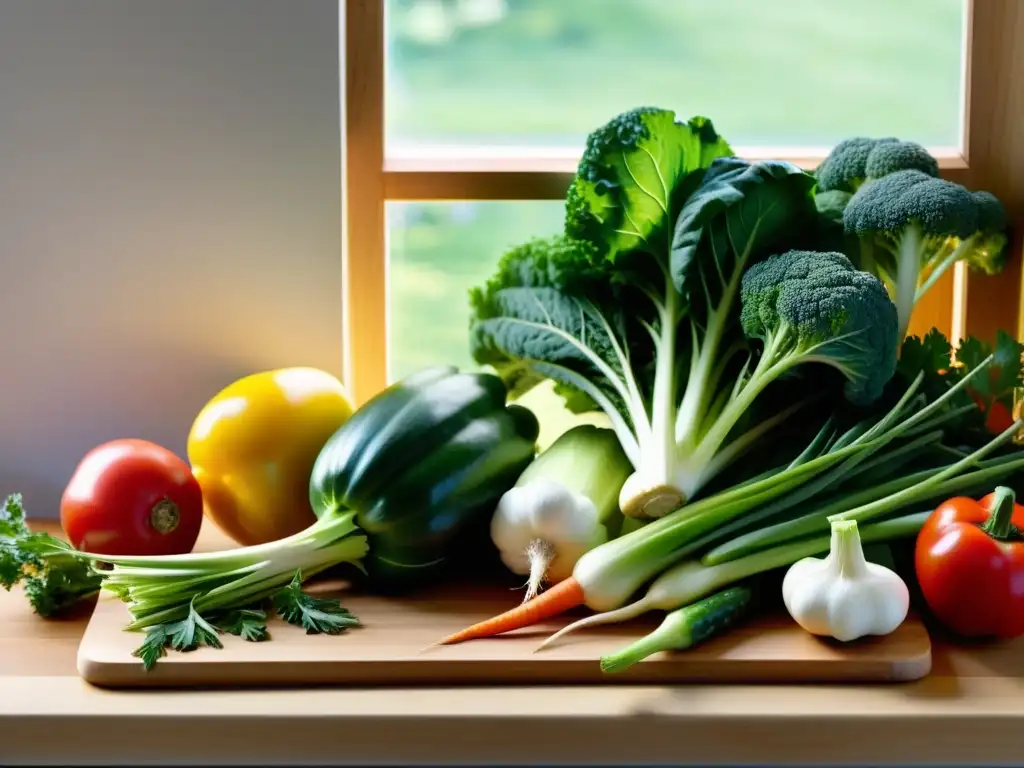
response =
{"points": [[768, 73], [437, 252]]}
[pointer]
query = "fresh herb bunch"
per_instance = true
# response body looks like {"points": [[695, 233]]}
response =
{"points": [[53, 581], [991, 395], [56, 577], [316, 615]]}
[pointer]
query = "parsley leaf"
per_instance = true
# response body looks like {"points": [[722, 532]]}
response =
{"points": [[154, 647], [931, 355], [53, 579], [1006, 372], [185, 635], [192, 632], [314, 614], [247, 623]]}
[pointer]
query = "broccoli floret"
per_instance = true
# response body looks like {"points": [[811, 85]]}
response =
{"points": [[892, 156], [915, 227], [816, 307], [988, 252], [856, 160]]}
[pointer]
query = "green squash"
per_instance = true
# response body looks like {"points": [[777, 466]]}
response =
{"points": [[423, 465]]}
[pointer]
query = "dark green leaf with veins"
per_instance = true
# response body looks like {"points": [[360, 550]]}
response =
{"points": [[1005, 371], [742, 210], [529, 330], [632, 179]]}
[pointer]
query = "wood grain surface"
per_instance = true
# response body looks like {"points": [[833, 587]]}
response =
{"points": [[392, 648], [968, 711]]}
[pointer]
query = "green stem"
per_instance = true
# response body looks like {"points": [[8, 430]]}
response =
{"points": [[881, 506], [833, 507], [664, 638], [622, 565], [1000, 521], [954, 256], [690, 580], [907, 273], [684, 628]]}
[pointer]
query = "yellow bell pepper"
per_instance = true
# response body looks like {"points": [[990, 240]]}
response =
{"points": [[252, 449]]}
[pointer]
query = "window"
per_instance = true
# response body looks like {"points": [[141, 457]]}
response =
{"points": [[465, 119]]}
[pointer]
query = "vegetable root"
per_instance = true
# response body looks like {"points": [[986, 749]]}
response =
{"points": [[560, 598], [639, 500], [540, 554], [625, 613]]}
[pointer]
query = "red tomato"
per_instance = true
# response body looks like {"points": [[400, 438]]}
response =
{"points": [[132, 497], [969, 560]]}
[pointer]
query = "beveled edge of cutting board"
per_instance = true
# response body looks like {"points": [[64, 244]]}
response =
{"points": [[901, 657]]}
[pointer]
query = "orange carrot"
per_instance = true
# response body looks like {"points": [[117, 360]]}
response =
{"points": [[560, 598]]}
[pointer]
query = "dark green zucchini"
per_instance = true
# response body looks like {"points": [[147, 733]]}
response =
{"points": [[423, 465]]}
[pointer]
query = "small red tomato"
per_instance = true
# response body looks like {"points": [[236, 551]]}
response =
{"points": [[132, 497], [969, 559]]}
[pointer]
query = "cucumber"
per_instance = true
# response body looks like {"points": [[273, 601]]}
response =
{"points": [[685, 627]]}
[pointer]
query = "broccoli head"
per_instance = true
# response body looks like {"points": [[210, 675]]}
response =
{"points": [[989, 253], [859, 159], [816, 307], [916, 226]]}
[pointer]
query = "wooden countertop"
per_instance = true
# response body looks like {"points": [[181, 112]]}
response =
{"points": [[970, 711]]}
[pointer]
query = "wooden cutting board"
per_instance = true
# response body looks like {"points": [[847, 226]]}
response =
{"points": [[389, 650]]}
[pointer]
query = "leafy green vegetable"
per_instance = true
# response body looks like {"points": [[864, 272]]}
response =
{"points": [[52, 582], [314, 614], [635, 309], [154, 647], [635, 171]]}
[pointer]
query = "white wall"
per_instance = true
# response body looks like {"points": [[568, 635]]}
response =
{"points": [[170, 216]]}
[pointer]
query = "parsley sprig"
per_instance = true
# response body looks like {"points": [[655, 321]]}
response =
{"points": [[317, 615]]}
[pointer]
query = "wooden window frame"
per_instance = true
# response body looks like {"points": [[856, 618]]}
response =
{"points": [[962, 303]]}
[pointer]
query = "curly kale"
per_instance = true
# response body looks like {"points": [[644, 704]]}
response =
{"points": [[53, 581]]}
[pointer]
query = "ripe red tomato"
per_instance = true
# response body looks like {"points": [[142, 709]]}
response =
{"points": [[132, 497]]}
